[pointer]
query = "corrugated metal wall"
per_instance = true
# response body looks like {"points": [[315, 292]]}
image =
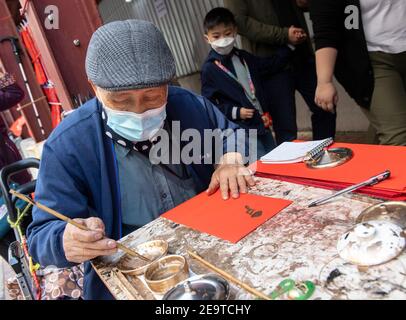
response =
{"points": [[181, 25]]}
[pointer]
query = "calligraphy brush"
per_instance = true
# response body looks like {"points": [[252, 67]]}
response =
{"points": [[60, 216]]}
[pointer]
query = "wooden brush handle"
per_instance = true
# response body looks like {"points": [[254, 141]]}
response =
{"points": [[228, 276], [60, 216]]}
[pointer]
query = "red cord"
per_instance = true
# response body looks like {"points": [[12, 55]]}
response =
{"points": [[33, 273]]}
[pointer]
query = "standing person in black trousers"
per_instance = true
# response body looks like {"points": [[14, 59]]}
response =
{"points": [[269, 24], [363, 42]]}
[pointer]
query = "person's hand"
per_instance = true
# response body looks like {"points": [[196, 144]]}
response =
{"points": [[326, 96], [81, 246], [246, 114], [231, 177], [297, 35], [303, 4]]}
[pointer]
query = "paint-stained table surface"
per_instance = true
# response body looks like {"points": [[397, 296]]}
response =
{"points": [[299, 243]]}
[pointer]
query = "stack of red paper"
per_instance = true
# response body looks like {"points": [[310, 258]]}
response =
{"points": [[368, 161]]}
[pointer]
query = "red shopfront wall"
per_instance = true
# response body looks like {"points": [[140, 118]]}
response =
{"points": [[8, 28], [65, 61]]}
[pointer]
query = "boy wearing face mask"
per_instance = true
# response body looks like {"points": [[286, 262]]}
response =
{"points": [[231, 78]]}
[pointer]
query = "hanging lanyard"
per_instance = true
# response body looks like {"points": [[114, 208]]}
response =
{"points": [[252, 94]]}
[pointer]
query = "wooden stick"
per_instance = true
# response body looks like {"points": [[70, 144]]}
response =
{"points": [[74, 223], [21, 107], [228, 276], [124, 285]]}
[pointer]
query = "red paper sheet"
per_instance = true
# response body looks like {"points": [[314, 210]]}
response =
{"points": [[368, 161], [230, 220], [382, 194]]}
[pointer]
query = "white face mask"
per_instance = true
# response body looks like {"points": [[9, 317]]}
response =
{"points": [[133, 126], [136, 127], [224, 46]]}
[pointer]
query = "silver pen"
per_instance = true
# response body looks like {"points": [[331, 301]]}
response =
{"points": [[371, 182]]}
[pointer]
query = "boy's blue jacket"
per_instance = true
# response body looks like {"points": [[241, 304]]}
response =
{"points": [[78, 177], [227, 93]]}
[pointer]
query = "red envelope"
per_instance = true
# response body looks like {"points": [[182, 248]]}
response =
{"points": [[230, 220]]}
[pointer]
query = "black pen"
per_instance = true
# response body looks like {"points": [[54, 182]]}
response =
{"points": [[371, 182]]}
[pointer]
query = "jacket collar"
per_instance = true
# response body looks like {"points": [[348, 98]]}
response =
{"points": [[213, 56]]}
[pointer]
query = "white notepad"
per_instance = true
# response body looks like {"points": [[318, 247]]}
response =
{"points": [[295, 152]]}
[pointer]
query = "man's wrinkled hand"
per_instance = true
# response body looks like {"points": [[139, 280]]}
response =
{"points": [[232, 178], [81, 246]]}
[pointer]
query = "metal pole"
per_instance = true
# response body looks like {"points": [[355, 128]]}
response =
{"points": [[14, 44]]}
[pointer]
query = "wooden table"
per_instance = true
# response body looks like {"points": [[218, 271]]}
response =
{"points": [[299, 243]]}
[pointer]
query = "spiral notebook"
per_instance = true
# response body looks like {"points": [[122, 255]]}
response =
{"points": [[296, 152]]}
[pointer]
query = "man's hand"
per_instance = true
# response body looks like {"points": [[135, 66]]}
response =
{"points": [[81, 246], [297, 35], [246, 114], [231, 177], [326, 96]]}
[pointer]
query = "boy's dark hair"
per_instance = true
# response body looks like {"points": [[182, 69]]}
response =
{"points": [[218, 16]]}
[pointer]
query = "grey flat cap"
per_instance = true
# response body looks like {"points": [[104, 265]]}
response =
{"points": [[126, 55]]}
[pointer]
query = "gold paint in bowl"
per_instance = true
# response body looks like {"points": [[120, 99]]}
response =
{"points": [[152, 250], [164, 274]]}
